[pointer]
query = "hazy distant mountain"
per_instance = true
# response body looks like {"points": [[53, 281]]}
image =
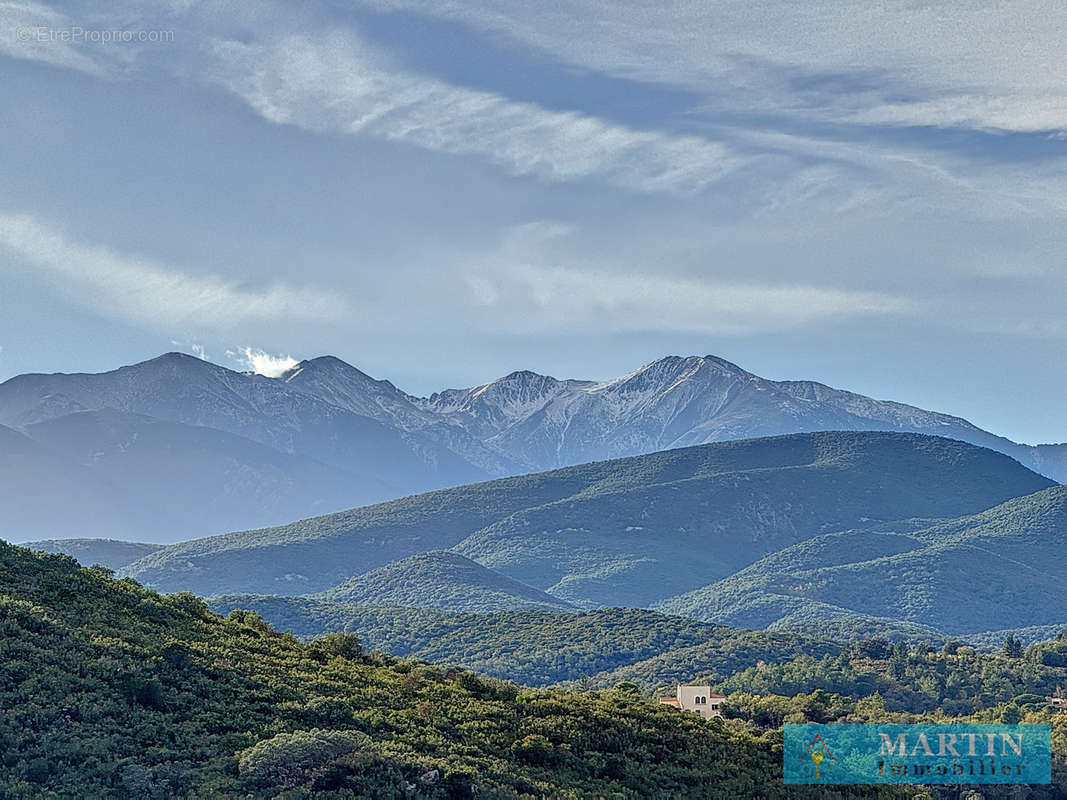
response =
{"points": [[195, 479], [109, 553], [42, 493], [628, 532], [183, 448]]}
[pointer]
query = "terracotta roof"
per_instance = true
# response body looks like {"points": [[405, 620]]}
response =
{"points": [[669, 700]]}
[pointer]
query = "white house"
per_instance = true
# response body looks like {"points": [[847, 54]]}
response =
{"points": [[699, 699]]}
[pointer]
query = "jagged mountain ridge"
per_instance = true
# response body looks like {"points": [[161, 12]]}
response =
{"points": [[684, 401]]}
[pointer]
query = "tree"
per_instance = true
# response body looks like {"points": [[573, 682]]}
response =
{"points": [[871, 648], [898, 661], [1011, 715], [1012, 648], [345, 645]]}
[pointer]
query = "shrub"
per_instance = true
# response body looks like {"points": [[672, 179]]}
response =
{"points": [[291, 759], [534, 749]]}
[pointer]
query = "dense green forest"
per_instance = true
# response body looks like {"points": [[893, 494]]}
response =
{"points": [[110, 690], [629, 532]]}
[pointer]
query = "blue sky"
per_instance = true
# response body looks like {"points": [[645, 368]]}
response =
{"points": [[439, 193]]}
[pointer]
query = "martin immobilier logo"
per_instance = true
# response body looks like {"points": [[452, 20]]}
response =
{"points": [[924, 753]]}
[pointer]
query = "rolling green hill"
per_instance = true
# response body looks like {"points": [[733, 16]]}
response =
{"points": [[112, 691], [628, 532], [999, 569], [536, 648], [441, 580]]}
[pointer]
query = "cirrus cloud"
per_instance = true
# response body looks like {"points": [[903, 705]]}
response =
{"points": [[337, 83], [150, 293]]}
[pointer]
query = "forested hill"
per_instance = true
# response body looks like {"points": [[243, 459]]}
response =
{"points": [[1015, 554], [628, 532], [441, 580], [112, 691]]}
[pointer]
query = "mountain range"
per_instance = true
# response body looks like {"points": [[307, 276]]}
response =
{"points": [[176, 447]]}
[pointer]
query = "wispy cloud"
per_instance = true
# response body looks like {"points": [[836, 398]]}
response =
{"points": [[146, 292], [967, 63], [521, 288], [336, 83]]}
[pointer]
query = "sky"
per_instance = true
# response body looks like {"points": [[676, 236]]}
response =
{"points": [[869, 195]]}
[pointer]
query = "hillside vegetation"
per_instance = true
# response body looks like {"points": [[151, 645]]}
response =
{"points": [[999, 569], [629, 532], [441, 580], [537, 648], [111, 690]]}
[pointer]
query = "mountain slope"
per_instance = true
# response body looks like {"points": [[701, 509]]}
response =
{"points": [[110, 690], [625, 532], [110, 553], [440, 580], [625, 545], [999, 569]]}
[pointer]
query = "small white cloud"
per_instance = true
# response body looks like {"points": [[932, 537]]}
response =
{"points": [[263, 363], [197, 350]]}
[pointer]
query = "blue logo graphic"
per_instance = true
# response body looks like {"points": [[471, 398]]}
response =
{"points": [[925, 753]]}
